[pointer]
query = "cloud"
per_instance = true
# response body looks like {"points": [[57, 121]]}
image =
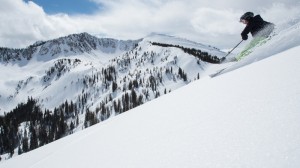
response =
{"points": [[23, 23], [279, 13], [212, 22]]}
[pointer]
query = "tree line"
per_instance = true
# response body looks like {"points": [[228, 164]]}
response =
{"points": [[204, 56]]}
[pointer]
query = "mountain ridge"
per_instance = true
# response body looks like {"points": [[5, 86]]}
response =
{"points": [[73, 44]]}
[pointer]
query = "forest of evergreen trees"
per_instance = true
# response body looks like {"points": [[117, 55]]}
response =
{"points": [[60, 67], [28, 127], [8, 54], [204, 56], [41, 127]]}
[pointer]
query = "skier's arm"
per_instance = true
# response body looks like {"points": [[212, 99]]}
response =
{"points": [[245, 33], [247, 30]]}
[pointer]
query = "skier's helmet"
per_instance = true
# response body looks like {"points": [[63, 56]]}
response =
{"points": [[247, 16]]}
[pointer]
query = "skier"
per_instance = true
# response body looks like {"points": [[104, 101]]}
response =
{"points": [[259, 29]]}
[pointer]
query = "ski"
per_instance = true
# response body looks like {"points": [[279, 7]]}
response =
{"points": [[217, 73]]}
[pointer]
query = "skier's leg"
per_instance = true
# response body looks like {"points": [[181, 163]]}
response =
{"points": [[248, 49]]}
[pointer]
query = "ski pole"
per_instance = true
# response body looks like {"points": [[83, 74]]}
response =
{"points": [[233, 48], [223, 58]]}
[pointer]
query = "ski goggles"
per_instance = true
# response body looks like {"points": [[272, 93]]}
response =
{"points": [[243, 21]]}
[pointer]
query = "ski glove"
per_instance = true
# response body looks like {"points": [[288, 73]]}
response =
{"points": [[245, 37]]}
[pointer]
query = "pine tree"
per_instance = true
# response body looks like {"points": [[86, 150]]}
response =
{"points": [[61, 125], [134, 98], [114, 86], [184, 77], [19, 150], [140, 99], [25, 144], [43, 138], [72, 126], [180, 72], [66, 105], [86, 120], [77, 120], [115, 105], [33, 139]]}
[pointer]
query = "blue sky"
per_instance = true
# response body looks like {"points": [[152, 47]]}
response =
{"points": [[67, 6]]}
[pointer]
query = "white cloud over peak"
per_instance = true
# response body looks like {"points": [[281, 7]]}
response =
{"points": [[23, 23], [212, 22]]}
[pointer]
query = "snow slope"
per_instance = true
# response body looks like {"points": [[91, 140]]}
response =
{"points": [[240, 119]]}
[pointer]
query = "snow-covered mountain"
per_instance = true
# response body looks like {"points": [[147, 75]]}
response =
{"points": [[246, 117], [87, 80]]}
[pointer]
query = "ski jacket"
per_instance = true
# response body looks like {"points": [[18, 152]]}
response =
{"points": [[257, 27]]}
